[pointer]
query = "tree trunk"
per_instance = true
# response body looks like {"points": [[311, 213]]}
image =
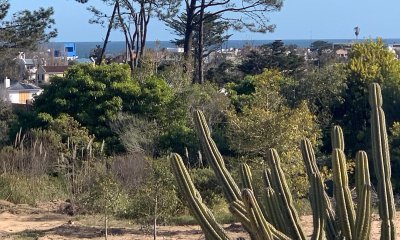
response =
{"points": [[127, 39], [200, 70], [105, 225], [103, 50], [155, 216], [188, 41]]}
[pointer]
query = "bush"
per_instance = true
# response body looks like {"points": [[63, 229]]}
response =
{"points": [[208, 186], [156, 197]]}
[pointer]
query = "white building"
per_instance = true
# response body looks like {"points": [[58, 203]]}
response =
{"points": [[20, 92]]}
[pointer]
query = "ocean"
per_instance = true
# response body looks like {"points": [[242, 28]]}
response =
{"points": [[83, 49]]}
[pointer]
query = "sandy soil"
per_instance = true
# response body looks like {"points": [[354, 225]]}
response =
{"points": [[43, 223]]}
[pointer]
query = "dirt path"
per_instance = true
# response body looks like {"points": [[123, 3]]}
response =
{"points": [[22, 222]]}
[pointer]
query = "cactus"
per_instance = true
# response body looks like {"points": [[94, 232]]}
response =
{"points": [[230, 188], [247, 178], [344, 202], [259, 225], [278, 219], [214, 157], [337, 139], [212, 230], [381, 159], [271, 211], [279, 184], [318, 197], [363, 186]]}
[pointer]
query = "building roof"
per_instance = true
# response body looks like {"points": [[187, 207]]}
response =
{"points": [[23, 86], [55, 69]]}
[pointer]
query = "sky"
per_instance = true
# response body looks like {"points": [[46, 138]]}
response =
{"points": [[298, 19]]}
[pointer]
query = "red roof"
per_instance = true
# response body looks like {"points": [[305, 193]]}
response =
{"points": [[55, 69]]}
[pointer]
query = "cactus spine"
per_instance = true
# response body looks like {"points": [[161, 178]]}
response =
{"points": [[381, 159], [212, 230]]}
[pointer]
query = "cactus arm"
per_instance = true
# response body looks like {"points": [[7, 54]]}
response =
{"points": [[318, 207], [230, 188], [312, 170], [337, 139], [363, 220], [381, 159], [271, 204], [203, 215], [343, 198], [293, 227], [246, 176], [258, 222], [239, 211], [363, 187]]}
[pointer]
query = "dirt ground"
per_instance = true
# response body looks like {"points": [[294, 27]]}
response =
{"points": [[22, 222]]}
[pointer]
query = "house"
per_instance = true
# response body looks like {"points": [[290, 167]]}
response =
{"points": [[342, 53], [44, 73], [20, 92], [27, 67]]}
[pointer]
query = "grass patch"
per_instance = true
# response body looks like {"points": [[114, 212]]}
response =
{"points": [[183, 219], [220, 211], [97, 220], [303, 206], [28, 235], [31, 190]]}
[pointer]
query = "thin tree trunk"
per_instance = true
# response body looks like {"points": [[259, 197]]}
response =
{"points": [[103, 50], [200, 65], [188, 41], [155, 216], [131, 63], [105, 225]]}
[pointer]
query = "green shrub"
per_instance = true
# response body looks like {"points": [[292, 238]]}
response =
{"points": [[208, 186]]}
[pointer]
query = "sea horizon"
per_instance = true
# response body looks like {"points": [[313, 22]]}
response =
{"points": [[117, 47]]}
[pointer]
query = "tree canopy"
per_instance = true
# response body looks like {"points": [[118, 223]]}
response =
{"points": [[271, 56], [26, 29], [95, 96]]}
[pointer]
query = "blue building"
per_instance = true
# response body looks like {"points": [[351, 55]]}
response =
{"points": [[70, 50]]}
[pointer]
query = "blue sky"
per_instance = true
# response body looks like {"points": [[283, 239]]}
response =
{"points": [[298, 19]]}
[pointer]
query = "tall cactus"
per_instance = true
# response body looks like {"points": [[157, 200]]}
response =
{"points": [[214, 157], [381, 159], [343, 198], [363, 186], [212, 230], [230, 188], [293, 227], [271, 202], [279, 219], [318, 197]]}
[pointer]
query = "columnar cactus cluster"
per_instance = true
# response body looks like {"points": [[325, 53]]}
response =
{"points": [[275, 216]]}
